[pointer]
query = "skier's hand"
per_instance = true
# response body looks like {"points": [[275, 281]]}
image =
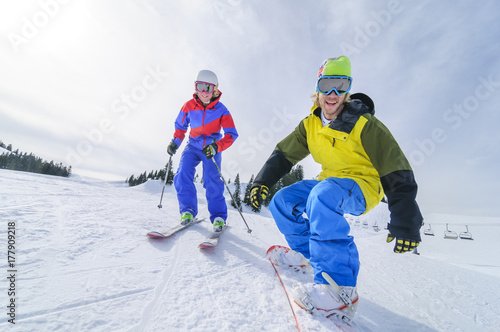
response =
{"points": [[172, 148], [210, 150], [402, 245], [258, 194]]}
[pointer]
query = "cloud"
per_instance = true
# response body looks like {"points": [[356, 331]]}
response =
{"points": [[83, 80]]}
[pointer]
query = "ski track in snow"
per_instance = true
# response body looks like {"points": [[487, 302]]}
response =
{"points": [[160, 290], [85, 264]]}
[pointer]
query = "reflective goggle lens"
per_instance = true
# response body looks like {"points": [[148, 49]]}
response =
{"points": [[340, 84], [204, 86]]}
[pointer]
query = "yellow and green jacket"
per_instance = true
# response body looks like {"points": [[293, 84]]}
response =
{"points": [[356, 145]]}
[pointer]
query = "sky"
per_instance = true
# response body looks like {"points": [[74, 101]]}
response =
{"points": [[97, 84]]}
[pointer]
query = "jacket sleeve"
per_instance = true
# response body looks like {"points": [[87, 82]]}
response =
{"points": [[397, 178], [287, 153], [230, 133], [181, 125]]}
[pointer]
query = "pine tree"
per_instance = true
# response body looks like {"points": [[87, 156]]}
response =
{"points": [[237, 192], [248, 189], [142, 178], [299, 173], [170, 173], [161, 174]]}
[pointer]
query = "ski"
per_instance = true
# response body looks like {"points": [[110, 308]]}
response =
{"points": [[213, 240], [171, 231]]}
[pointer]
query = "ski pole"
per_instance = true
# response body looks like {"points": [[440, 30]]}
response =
{"points": [[229, 191], [164, 182]]}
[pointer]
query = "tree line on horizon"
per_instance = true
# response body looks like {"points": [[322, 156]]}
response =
{"points": [[19, 161], [295, 175], [153, 175]]}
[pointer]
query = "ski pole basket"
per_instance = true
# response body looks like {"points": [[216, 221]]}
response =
{"points": [[466, 235], [450, 234]]}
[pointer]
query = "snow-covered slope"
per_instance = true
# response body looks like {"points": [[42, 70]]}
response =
{"points": [[83, 263]]}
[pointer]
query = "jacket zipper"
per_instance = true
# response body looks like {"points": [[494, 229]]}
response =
{"points": [[203, 126]]}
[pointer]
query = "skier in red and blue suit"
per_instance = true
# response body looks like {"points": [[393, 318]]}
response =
{"points": [[206, 116]]}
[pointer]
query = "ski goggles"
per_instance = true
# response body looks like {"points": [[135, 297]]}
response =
{"points": [[340, 84], [204, 86]]}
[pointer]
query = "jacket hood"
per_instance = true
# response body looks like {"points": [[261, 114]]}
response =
{"points": [[362, 104]]}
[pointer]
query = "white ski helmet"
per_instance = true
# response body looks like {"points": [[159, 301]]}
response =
{"points": [[207, 76]]}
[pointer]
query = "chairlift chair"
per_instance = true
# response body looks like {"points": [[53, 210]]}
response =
{"points": [[466, 235], [429, 231], [450, 234], [376, 228]]}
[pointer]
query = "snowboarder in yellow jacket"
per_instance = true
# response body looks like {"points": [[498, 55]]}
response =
{"points": [[361, 162]]}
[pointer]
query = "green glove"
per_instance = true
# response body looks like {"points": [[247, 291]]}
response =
{"points": [[402, 245], [258, 194]]}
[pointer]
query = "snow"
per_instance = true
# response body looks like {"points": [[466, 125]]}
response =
{"points": [[84, 263]]}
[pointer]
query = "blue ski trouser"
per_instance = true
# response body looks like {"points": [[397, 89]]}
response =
{"points": [[322, 233], [212, 182]]}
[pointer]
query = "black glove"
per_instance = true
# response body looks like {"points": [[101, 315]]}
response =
{"points": [[258, 194], [172, 148], [402, 245], [210, 150]]}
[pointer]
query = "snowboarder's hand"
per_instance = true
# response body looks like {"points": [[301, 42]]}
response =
{"points": [[258, 194], [172, 148], [210, 150], [402, 245]]}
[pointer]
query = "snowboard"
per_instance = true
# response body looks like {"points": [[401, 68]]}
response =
{"points": [[303, 273]]}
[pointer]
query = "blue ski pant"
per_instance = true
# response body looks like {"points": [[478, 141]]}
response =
{"points": [[212, 182], [310, 214]]}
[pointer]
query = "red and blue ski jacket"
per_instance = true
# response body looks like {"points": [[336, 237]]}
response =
{"points": [[206, 123]]}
